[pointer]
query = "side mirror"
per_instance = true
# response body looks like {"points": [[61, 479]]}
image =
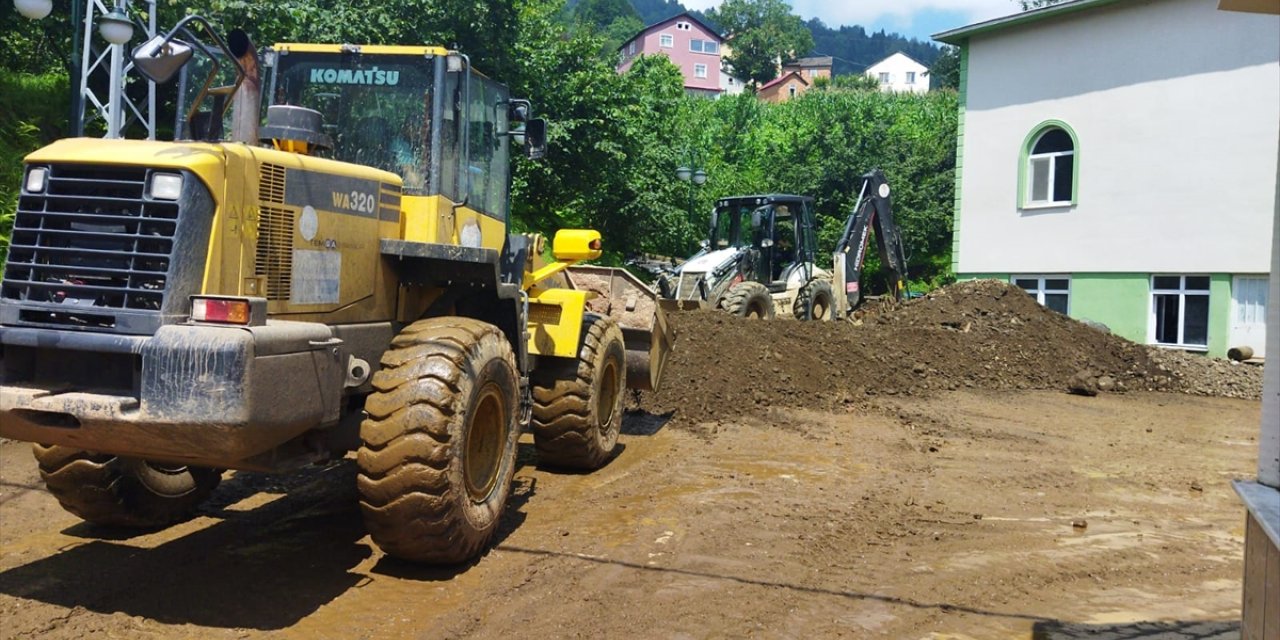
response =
{"points": [[535, 138], [160, 58]]}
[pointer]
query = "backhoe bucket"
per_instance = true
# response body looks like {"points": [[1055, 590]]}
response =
{"points": [[634, 306]]}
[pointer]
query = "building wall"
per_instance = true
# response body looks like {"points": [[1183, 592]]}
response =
{"points": [[897, 66], [782, 91], [1176, 146], [649, 43]]}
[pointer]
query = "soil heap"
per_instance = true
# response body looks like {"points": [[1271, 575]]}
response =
{"points": [[982, 334]]}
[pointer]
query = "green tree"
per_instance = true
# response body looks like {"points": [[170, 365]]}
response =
{"points": [[760, 34], [602, 13], [856, 82], [945, 72]]}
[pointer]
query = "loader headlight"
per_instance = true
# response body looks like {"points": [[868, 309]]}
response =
{"points": [[166, 186], [36, 179]]}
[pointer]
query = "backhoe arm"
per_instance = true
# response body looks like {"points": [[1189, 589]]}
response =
{"points": [[873, 210]]}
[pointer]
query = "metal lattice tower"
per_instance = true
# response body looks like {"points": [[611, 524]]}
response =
{"points": [[102, 63]]}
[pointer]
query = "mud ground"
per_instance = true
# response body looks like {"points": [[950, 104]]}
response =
{"points": [[940, 515]]}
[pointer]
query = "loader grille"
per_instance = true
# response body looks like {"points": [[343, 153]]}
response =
{"points": [[93, 250]]}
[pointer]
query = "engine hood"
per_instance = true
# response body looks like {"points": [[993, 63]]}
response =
{"points": [[705, 262]]}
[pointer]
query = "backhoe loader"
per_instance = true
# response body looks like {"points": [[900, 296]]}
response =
{"points": [[340, 278], [760, 259]]}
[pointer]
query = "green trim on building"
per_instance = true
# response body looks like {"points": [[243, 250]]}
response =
{"points": [[955, 218], [1219, 314], [1025, 154], [962, 34], [1122, 301]]}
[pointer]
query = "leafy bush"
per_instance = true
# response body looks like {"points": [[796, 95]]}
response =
{"points": [[33, 112]]}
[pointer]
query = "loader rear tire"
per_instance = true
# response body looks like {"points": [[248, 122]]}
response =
{"points": [[815, 301], [123, 492], [749, 300], [577, 404], [439, 442]]}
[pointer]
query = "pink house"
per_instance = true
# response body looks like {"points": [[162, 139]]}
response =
{"points": [[691, 44]]}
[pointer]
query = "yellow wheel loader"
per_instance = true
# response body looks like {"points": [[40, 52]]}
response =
{"points": [[339, 278]]}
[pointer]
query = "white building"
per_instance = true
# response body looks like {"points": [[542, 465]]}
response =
{"points": [[1130, 181], [899, 72]]}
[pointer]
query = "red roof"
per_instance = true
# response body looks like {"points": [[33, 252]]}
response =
{"points": [[778, 80]]}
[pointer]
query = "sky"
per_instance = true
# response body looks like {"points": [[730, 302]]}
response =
{"points": [[911, 18]]}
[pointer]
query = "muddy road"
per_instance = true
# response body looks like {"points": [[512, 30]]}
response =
{"points": [[943, 516]]}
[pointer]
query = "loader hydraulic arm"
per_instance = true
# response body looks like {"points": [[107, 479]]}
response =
{"points": [[872, 210]]}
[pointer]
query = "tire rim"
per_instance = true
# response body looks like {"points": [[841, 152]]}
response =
{"points": [[166, 480], [607, 397], [821, 309], [484, 444]]}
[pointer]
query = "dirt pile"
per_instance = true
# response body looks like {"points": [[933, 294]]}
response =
{"points": [[983, 334]]}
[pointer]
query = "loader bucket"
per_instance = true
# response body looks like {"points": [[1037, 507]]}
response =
{"points": [[634, 306], [683, 305]]}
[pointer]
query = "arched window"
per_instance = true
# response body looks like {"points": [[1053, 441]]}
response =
{"points": [[1049, 170]]}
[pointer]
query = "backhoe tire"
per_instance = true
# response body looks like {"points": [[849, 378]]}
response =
{"points": [[577, 404], [749, 300], [438, 445], [815, 301], [123, 492]]}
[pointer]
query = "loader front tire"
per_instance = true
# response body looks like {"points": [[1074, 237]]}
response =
{"points": [[439, 442], [748, 300], [123, 492], [577, 404], [815, 301]]}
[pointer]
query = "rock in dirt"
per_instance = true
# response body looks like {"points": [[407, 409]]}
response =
{"points": [[1083, 383]]}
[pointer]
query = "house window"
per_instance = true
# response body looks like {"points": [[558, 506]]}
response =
{"points": [[1180, 310], [911, 77], [631, 49], [666, 40], [704, 46], [682, 26], [1051, 291], [792, 89], [699, 70], [884, 78], [1050, 169]]}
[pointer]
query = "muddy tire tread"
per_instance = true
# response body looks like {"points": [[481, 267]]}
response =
{"points": [[566, 430], [407, 480]]}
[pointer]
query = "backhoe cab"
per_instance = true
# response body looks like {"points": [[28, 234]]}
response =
{"points": [[264, 295], [760, 259]]}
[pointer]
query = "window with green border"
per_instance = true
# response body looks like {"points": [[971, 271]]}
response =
{"points": [[1049, 167]]}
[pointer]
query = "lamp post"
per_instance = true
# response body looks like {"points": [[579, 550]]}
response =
{"points": [[116, 28], [691, 173]]}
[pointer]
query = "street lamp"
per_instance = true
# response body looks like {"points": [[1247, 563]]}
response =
{"points": [[34, 9], [116, 27], [690, 173]]}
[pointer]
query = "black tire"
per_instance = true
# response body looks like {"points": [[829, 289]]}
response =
{"points": [[748, 300], [123, 492], [577, 404], [815, 301], [439, 442]]}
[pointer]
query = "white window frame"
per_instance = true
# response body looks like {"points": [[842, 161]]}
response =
{"points": [[1041, 288], [631, 49], [1051, 159], [885, 77], [666, 40], [1182, 292], [700, 70], [682, 26], [911, 77]]}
